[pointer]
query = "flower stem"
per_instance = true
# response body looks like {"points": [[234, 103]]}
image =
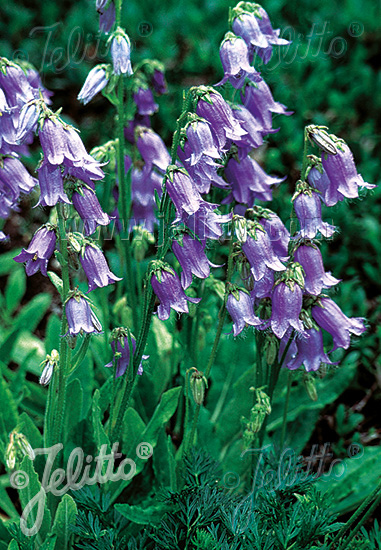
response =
{"points": [[60, 401], [285, 410], [305, 159], [124, 205]]}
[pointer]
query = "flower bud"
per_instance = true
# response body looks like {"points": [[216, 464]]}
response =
{"points": [[271, 348], [198, 384], [50, 364], [310, 385], [140, 242], [18, 447], [240, 226]]}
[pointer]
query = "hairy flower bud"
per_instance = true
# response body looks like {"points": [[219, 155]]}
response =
{"points": [[198, 384]]}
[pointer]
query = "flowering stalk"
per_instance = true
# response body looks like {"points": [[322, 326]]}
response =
{"points": [[60, 401], [125, 194]]}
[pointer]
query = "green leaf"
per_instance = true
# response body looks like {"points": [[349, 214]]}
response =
{"points": [[5, 536], [65, 517], [73, 416], [163, 412], [56, 281], [13, 545], [8, 408], [100, 436], [15, 289], [33, 499], [150, 515], [351, 480], [7, 505], [7, 263], [133, 429]]}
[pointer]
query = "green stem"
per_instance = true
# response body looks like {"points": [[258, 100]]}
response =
{"points": [[118, 12], [194, 427], [356, 515], [80, 355], [305, 159], [354, 532], [60, 400], [124, 204], [285, 410]]}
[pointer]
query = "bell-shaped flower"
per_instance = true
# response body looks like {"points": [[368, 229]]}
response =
{"points": [[212, 106], [307, 206], [201, 141], [309, 352], [39, 251], [184, 193], [80, 317], [259, 252], [167, 287], [320, 181], [241, 310], [96, 80], [95, 267], [249, 181], [315, 277], [286, 303], [121, 350], [152, 148], [234, 56], [121, 52], [271, 35], [206, 224], [264, 287], [27, 122], [16, 177], [259, 101], [87, 205], [51, 185], [204, 172], [255, 131], [277, 231], [158, 81], [107, 17], [145, 102], [247, 26], [15, 85], [190, 253], [342, 174], [329, 316]]}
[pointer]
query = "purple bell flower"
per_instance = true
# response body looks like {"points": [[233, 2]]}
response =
{"points": [[14, 175], [39, 251], [235, 61], [309, 352], [255, 131], [309, 257], [220, 116], [145, 102], [241, 310], [259, 101], [152, 148], [249, 181], [184, 193], [167, 288], [120, 53], [89, 209], [96, 269], [342, 174], [95, 82], [15, 85], [51, 185], [329, 316], [106, 18], [27, 122], [278, 233], [264, 287], [271, 35], [123, 360], [190, 253], [247, 26], [138, 120], [308, 210], [320, 181], [260, 254], [80, 316], [204, 172], [34, 80], [206, 224], [158, 82], [201, 141], [286, 308]]}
